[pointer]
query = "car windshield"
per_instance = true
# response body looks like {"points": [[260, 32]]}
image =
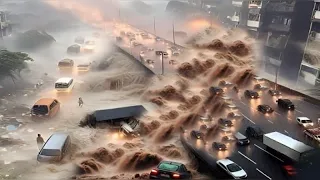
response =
{"points": [[233, 167], [50, 152], [39, 109], [306, 121], [64, 63], [168, 167]]}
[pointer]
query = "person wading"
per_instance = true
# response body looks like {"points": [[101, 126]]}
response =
{"points": [[40, 141], [80, 102]]}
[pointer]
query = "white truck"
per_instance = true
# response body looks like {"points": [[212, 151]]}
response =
{"points": [[286, 145]]}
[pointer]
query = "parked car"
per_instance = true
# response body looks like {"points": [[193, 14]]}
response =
{"points": [[251, 94], [255, 132], [225, 122], [285, 104], [219, 146], [232, 168], [304, 121], [170, 170], [265, 108]]}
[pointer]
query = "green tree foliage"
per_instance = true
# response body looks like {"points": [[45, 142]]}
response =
{"points": [[12, 63]]}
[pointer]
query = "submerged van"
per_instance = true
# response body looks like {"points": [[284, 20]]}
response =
{"points": [[55, 148], [241, 139], [45, 107]]}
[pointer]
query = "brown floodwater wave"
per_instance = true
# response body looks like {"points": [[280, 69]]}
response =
{"points": [[173, 114], [164, 133], [139, 161], [170, 151], [195, 68], [147, 128]]}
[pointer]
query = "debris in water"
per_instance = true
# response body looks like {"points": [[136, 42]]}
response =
{"points": [[239, 48], [171, 115]]}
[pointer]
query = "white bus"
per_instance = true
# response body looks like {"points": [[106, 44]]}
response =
{"points": [[64, 84]]}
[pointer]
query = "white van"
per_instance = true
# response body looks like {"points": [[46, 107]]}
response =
{"points": [[64, 84], [241, 139], [55, 148]]}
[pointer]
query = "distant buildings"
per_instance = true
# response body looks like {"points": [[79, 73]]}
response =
{"points": [[5, 28]]}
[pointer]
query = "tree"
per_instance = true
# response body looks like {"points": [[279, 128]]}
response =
{"points": [[12, 63]]}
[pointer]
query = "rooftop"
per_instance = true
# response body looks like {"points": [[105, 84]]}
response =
{"points": [[64, 80], [44, 101]]}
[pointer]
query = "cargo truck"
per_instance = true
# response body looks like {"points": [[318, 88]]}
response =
{"points": [[286, 145]]}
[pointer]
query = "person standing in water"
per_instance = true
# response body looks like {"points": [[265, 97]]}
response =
{"points": [[40, 141], [80, 102]]}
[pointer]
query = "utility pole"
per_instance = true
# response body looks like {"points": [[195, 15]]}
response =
{"points": [[119, 15], [162, 66], [174, 39], [276, 81], [154, 25]]}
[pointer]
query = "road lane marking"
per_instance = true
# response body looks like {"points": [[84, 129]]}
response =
{"points": [[286, 131], [270, 122], [277, 113], [247, 157], [299, 111], [263, 174], [248, 118], [243, 103], [268, 153]]}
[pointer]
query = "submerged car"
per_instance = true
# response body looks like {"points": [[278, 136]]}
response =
{"points": [[74, 49], [196, 135], [170, 170], [273, 92], [225, 122], [251, 94], [216, 91]]}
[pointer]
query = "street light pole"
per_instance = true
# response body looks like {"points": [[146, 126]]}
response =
{"points": [[174, 40], [162, 66], [154, 25]]}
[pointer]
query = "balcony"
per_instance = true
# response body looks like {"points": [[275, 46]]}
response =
{"points": [[277, 42], [255, 4], [254, 24], [317, 15], [279, 27], [280, 7], [237, 3]]}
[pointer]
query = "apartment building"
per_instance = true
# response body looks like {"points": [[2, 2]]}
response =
{"points": [[310, 66], [5, 28]]}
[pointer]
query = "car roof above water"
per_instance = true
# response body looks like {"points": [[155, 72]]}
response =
{"points": [[56, 141]]}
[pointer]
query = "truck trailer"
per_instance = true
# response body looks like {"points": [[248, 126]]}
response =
{"points": [[286, 145]]}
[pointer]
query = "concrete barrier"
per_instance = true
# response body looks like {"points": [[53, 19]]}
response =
{"points": [[290, 91]]}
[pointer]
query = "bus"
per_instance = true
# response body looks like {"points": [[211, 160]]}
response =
{"points": [[64, 84], [66, 64]]}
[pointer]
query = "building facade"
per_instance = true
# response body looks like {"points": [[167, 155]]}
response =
{"points": [[5, 27]]}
